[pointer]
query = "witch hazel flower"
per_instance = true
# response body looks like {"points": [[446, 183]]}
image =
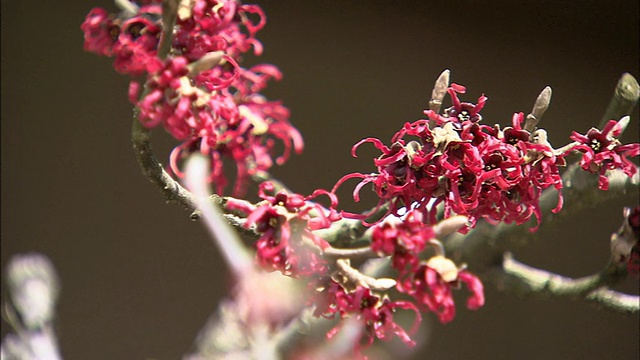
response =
{"points": [[402, 240], [199, 93], [460, 111], [432, 285], [602, 151], [285, 223], [132, 39], [373, 309]]}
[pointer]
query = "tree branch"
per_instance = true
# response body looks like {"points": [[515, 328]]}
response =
{"points": [[624, 100], [525, 279]]}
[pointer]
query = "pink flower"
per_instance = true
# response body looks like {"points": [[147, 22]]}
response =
{"points": [[460, 111], [135, 50], [633, 222], [132, 41]]}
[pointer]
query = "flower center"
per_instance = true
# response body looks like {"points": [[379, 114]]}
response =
{"points": [[464, 115]]}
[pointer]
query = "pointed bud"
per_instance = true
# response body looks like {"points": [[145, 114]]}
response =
{"points": [[128, 7], [208, 61], [541, 105], [439, 91], [622, 125], [450, 225]]}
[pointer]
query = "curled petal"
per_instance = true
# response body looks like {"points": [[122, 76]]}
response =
{"points": [[474, 284]]}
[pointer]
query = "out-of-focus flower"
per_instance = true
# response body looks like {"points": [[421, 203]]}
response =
{"points": [[624, 243], [285, 222], [33, 287], [403, 240], [376, 312]]}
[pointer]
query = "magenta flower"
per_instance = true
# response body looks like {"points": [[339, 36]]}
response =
{"points": [[633, 220], [100, 32], [375, 311], [460, 111], [602, 151], [133, 41], [403, 240], [432, 283]]}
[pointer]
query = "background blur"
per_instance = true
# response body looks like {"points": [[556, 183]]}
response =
{"points": [[140, 279]]}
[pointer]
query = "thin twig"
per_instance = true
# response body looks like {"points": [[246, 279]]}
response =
{"points": [[173, 192], [169, 14], [525, 279], [624, 100]]}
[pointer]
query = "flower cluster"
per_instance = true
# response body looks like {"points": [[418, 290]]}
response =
{"points": [[429, 281], [287, 243], [199, 92], [479, 171]]}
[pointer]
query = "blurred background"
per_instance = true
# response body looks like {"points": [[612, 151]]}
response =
{"points": [[139, 279]]}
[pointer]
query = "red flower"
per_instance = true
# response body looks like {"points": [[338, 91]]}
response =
{"points": [[135, 50], [432, 283], [602, 151], [460, 111], [403, 240]]}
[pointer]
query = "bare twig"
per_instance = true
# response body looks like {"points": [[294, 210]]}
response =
{"points": [[529, 280], [624, 100], [169, 14], [173, 192]]}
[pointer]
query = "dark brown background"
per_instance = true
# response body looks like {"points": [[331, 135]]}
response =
{"points": [[139, 278]]}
